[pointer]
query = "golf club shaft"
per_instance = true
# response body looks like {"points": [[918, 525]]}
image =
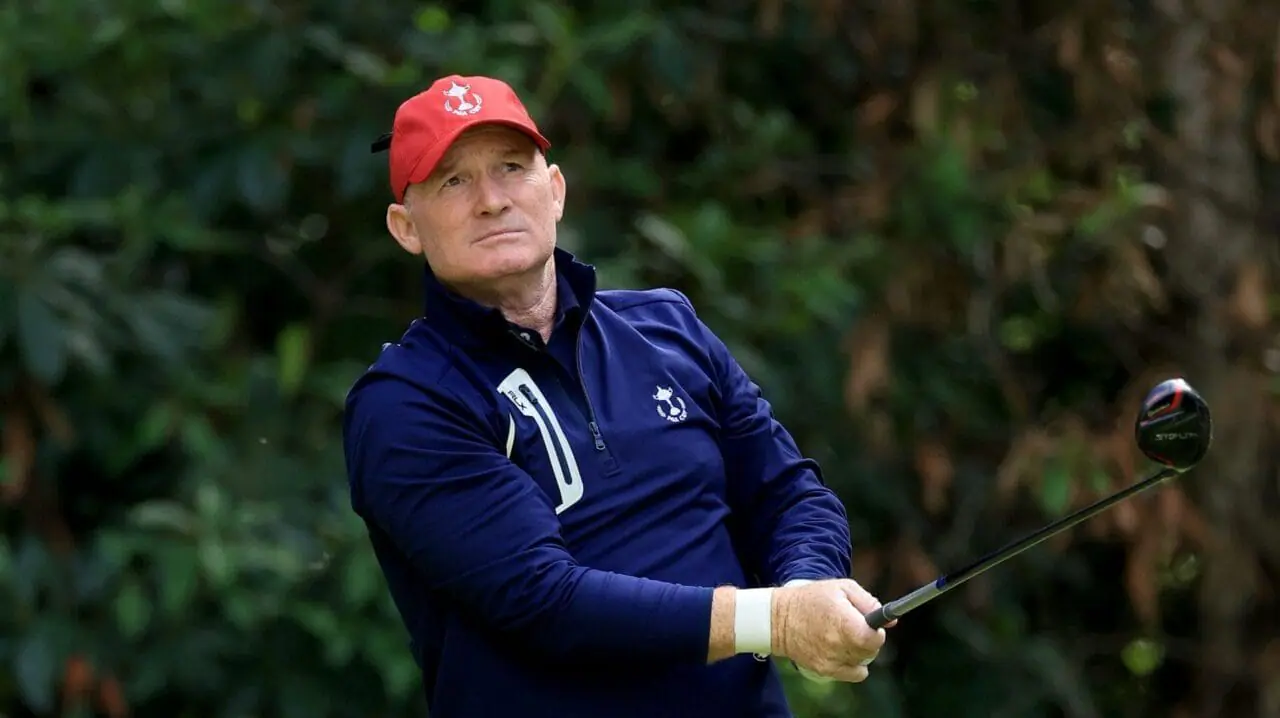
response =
{"points": [[896, 609]]}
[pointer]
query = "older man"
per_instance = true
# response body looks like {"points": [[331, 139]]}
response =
{"points": [[581, 503]]}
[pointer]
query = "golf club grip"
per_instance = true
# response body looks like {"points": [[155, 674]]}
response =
{"points": [[877, 619], [898, 608]]}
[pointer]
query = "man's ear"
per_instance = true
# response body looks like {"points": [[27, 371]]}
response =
{"points": [[557, 189], [400, 225]]}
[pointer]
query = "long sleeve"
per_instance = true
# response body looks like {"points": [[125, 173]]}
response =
{"points": [[428, 474], [793, 525]]}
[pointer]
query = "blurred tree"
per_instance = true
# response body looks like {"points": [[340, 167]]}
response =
{"points": [[1220, 265]]}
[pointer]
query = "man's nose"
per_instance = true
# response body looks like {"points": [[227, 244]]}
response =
{"points": [[492, 197]]}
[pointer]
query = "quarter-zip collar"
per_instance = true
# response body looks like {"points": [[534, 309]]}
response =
{"points": [[466, 321]]}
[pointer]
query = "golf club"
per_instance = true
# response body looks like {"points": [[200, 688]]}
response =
{"points": [[1173, 429]]}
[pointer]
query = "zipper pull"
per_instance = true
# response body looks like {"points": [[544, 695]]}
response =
{"points": [[529, 395], [595, 434]]}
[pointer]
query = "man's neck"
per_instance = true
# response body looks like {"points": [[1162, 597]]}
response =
{"points": [[528, 301]]}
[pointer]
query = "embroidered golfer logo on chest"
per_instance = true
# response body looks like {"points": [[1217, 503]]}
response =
{"points": [[456, 102], [670, 406]]}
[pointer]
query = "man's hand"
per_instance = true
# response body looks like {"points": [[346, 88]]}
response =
{"points": [[821, 627]]}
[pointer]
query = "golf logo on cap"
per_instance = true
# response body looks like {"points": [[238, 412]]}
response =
{"points": [[456, 102]]}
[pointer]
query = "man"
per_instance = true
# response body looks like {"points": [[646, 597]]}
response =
{"points": [[581, 503]]}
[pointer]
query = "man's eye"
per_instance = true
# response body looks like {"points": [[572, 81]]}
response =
{"points": [[513, 167], [452, 181]]}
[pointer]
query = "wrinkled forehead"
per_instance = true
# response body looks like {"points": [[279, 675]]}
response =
{"points": [[488, 139]]}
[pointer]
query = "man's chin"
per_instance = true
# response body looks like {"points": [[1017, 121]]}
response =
{"points": [[513, 260]]}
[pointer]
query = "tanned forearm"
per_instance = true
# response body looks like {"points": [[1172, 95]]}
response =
{"points": [[722, 633]]}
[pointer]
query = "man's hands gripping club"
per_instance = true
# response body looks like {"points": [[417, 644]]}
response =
{"points": [[820, 626]]}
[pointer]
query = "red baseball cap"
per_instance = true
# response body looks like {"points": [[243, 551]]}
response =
{"points": [[428, 123]]}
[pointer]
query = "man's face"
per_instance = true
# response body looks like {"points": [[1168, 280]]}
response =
{"points": [[488, 212]]}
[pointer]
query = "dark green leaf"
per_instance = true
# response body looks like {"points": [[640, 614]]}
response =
{"points": [[41, 337], [432, 19], [133, 609], [1143, 656], [293, 349], [261, 178], [1055, 489], [34, 667]]}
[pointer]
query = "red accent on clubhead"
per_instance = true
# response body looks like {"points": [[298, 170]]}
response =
{"points": [[1177, 399]]}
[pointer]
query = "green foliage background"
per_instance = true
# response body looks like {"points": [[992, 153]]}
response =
{"points": [[950, 239]]}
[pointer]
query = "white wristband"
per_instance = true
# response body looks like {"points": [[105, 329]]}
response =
{"points": [[753, 621]]}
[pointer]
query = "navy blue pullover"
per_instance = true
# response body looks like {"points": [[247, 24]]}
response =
{"points": [[552, 518]]}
